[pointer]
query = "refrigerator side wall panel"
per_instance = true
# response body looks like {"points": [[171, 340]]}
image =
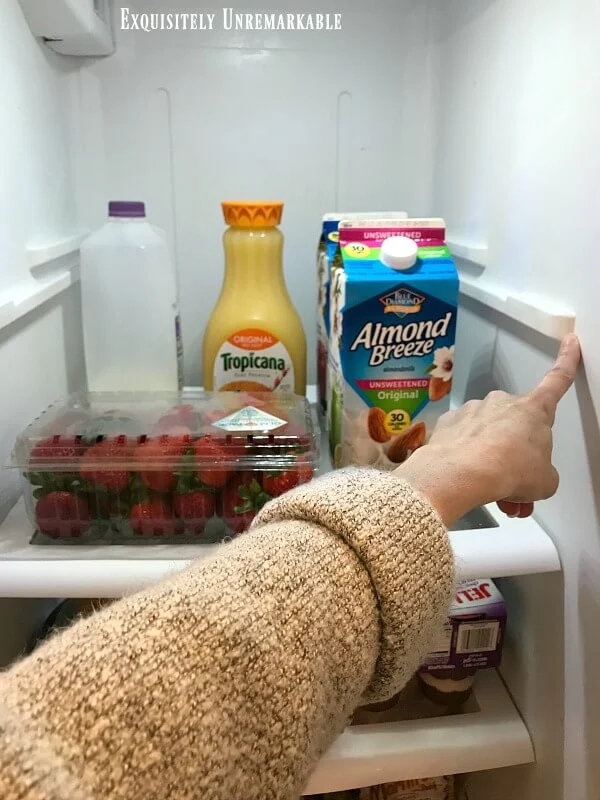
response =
{"points": [[36, 194], [40, 353], [517, 169]]}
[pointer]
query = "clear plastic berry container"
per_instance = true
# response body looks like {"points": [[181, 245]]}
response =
{"points": [[158, 468]]}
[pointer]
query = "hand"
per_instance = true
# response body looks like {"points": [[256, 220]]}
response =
{"points": [[496, 449]]}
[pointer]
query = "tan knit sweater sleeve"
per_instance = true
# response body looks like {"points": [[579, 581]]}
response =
{"points": [[229, 680]]}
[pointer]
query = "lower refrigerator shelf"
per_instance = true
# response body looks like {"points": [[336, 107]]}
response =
{"points": [[489, 734], [510, 547]]}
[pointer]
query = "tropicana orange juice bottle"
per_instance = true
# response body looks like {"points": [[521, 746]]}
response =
{"points": [[254, 340]]}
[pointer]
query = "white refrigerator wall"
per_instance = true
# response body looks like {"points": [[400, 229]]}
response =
{"points": [[320, 120], [40, 353], [517, 170]]}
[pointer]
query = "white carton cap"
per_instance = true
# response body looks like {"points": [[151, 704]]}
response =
{"points": [[399, 252]]}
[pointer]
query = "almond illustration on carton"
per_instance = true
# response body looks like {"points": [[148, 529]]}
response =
{"points": [[376, 426], [439, 388], [406, 444]]}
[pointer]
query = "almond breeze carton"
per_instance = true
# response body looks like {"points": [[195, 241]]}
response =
{"points": [[326, 250], [393, 303]]}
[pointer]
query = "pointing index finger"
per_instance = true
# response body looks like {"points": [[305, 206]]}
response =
{"points": [[558, 380]]}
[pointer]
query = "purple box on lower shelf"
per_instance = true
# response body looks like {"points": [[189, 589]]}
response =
{"points": [[474, 632]]}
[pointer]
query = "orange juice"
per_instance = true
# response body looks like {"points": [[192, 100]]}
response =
{"points": [[254, 340]]}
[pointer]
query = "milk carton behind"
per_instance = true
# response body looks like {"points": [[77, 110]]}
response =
{"points": [[391, 342], [325, 252]]}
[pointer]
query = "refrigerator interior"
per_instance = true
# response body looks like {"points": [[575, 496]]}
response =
{"points": [[480, 111]]}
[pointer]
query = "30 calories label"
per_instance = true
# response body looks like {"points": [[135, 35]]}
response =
{"points": [[357, 250], [397, 420], [253, 360]]}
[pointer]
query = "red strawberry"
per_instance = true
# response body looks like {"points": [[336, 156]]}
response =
{"points": [[114, 454], [56, 449], [306, 470], [210, 453], [54, 462], [166, 452], [62, 515], [195, 509], [277, 483], [179, 416], [241, 500], [234, 445], [154, 518]]}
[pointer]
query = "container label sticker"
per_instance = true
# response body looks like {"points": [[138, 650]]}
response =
{"points": [[253, 360], [249, 419]]}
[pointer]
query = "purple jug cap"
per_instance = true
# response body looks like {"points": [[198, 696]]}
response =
{"points": [[121, 208]]}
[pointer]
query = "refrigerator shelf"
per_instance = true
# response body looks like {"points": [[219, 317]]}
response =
{"points": [[25, 297], [515, 547], [532, 310], [486, 544], [490, 736]]}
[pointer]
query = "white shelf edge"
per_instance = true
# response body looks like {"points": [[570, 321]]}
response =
{"points": [[534, 311], [493, 737], [476, 254], [515, 547], [44, 254], [26, 297]]}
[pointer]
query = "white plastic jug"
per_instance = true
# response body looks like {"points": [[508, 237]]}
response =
{"points": [[130, 306]]}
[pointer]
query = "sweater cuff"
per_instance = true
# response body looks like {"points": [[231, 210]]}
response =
{"points": [[404, 546]]}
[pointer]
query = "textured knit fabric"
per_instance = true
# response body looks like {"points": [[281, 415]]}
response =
{"points": [[230, 679]]}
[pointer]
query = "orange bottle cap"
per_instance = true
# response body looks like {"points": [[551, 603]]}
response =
{"points": [[252, 214]]}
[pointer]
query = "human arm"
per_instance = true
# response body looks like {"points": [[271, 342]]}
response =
{"points": [[230, 679]]}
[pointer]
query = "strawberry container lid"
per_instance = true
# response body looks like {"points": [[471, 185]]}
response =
{"points": [[186, 431]]}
